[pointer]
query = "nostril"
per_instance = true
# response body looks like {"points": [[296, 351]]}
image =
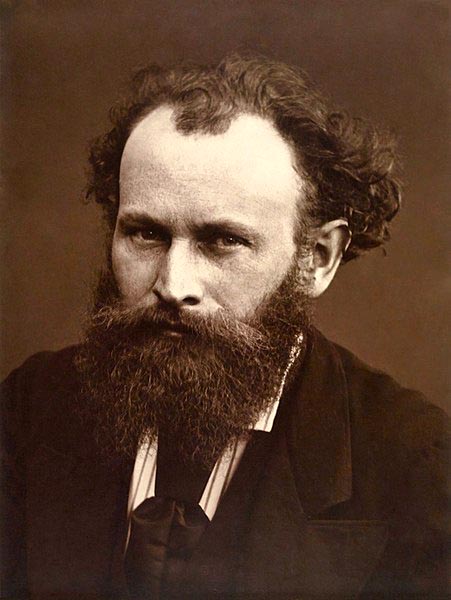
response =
{"points": [[190, 300], [176, 300]]}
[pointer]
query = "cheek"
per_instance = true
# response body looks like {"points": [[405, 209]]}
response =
{"points": [[133, 276], [244, 288]]}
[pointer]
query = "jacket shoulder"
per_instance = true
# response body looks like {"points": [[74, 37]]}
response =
{"points": [[41, 387], [46, 364], [375, 396], [399, 442]]}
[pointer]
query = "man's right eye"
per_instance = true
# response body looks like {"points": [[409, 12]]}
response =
{"points": [[147, 235]]}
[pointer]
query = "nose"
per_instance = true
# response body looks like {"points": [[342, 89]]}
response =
{"points": [[177, 283]]}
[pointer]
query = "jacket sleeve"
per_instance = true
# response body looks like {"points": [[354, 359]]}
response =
{"points": [[12, 490], [16, 416]]}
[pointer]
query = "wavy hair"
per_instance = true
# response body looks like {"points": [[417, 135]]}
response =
{"points": [[348, 164]]}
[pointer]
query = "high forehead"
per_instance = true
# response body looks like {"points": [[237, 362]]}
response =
{"points": [[250, 155]]}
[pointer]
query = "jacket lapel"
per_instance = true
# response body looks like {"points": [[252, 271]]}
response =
{"points": [[291, 547], [317, 428]]}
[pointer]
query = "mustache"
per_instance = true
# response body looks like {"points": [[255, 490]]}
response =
{"points": [[220, 327]]}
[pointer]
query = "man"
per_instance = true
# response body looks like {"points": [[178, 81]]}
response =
{"points": [[205, 440]]}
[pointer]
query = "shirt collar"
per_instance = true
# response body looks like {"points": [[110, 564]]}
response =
{"points": [[266, 419]]}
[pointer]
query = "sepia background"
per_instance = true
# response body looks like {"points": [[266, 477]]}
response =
{"points": [[62, 64]]}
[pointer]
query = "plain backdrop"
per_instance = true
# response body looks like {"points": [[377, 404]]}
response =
{"points": [[62, 65]]}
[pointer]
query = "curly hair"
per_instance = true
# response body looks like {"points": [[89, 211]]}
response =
{"points": [[347, 164]]}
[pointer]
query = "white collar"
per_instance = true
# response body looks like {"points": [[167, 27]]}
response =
{"points": [[266, 419]]}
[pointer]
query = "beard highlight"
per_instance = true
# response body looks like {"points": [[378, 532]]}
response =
{"points": [[205, 387]]}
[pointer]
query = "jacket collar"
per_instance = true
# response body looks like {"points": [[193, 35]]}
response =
{"points": [[317, 428]]}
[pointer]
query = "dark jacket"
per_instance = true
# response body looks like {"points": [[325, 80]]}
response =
{"points": [[345, 498]]}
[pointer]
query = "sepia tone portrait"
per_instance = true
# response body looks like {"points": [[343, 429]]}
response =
{"points": [[223, 300]]}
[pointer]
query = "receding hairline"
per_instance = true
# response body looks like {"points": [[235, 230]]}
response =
{"points": [[198, 134]]}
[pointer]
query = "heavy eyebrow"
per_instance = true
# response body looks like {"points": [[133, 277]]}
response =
{"points": [[223, 226], [202, 231], [141, 219]]}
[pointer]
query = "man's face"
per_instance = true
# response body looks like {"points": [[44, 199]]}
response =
{"points": [[205, 222]]}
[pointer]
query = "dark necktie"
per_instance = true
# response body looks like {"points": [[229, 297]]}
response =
{"points": [[166, 529]]}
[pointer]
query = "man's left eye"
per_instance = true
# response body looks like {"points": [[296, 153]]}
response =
{"points": [[223, 242], [229, 241], [226, 242]]}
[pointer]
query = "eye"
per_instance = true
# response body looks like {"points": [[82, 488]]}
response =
{"points": [[148, 234], [145, 238], [229, 241], [225, 242]]}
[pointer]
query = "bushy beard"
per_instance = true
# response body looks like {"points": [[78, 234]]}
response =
{"points": [[205, 387]]}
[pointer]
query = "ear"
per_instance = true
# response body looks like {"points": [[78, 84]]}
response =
{"points": [[330, 240]]}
